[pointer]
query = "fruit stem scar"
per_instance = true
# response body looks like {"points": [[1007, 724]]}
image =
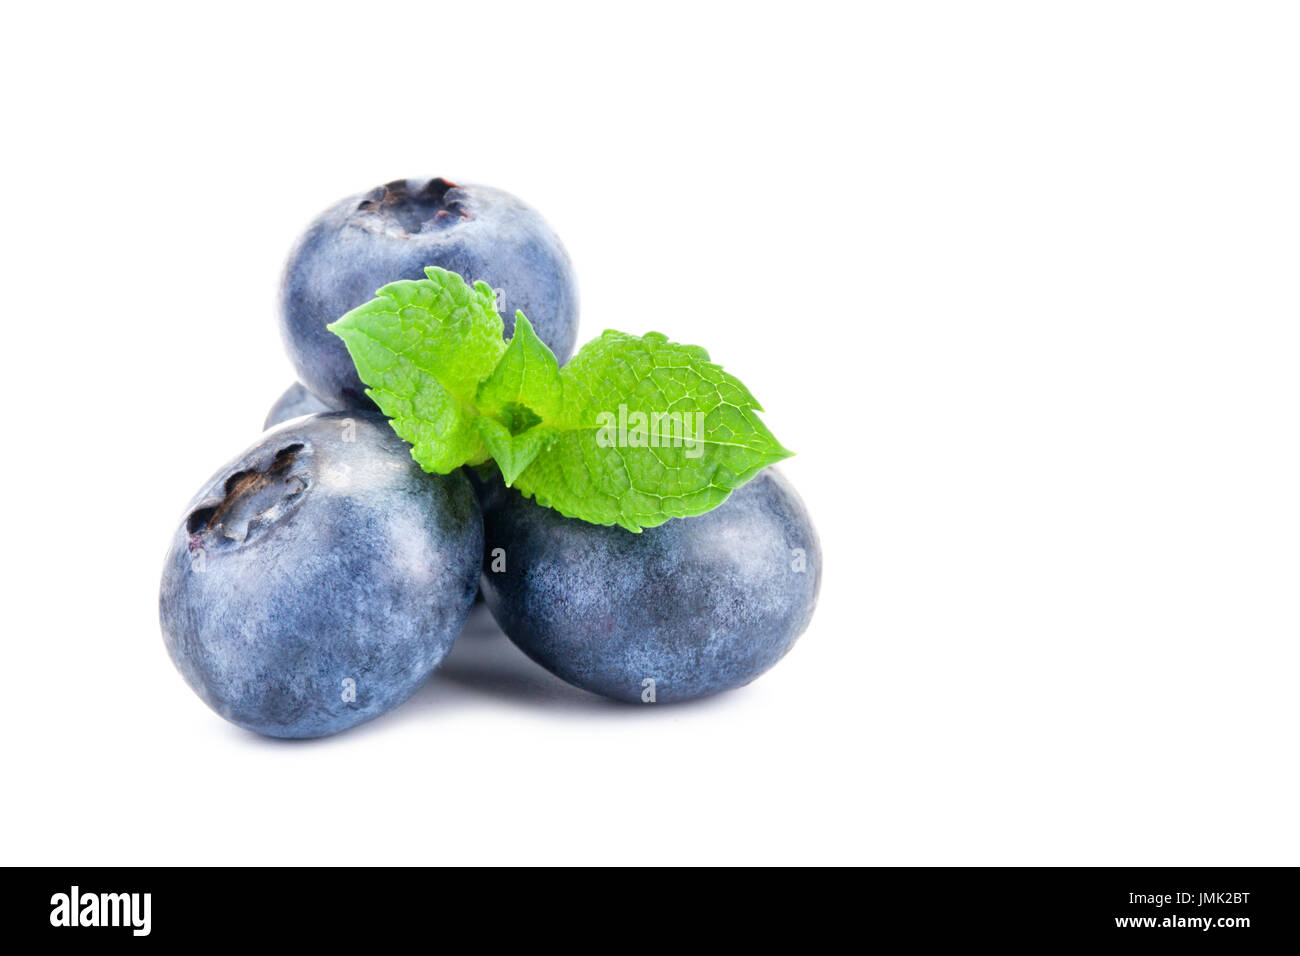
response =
{"points": [[251, 493]]}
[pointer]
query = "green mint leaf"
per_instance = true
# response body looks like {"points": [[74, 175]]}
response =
{"points": [[513, 452], [522, 392], [423, 347], [524, 388], [647, 430]]}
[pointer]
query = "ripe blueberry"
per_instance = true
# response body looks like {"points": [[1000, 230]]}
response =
{"points": [[688, 608], [319, 578], [393, 232]]}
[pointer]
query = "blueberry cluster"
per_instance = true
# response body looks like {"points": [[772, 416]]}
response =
{"points": [[320, 577]]}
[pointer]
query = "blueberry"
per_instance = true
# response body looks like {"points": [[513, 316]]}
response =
{"points": [[319, 578], [688, 608], [295, 401], [393, 232]]}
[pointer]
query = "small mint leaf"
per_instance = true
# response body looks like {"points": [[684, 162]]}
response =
{"points": [[513, 453], [423, 346], [526, 377]]}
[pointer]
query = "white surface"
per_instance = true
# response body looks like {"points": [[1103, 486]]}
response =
{"points": [[1017, 281]]}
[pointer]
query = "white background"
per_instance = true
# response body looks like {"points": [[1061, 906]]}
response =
{"points": [[1018, 282]]}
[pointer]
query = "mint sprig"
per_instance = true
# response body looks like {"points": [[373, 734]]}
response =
{"points": [[633, 431]]}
